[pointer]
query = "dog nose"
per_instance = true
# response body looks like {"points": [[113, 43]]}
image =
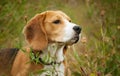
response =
{"points": [[77, 29]]}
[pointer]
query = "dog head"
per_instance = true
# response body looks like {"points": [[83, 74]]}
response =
{"points": [[51, 26]]}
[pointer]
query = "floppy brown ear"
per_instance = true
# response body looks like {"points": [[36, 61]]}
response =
{"points": [[35, 33]]}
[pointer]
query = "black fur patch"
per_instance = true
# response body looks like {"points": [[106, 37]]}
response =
{"points": [[7, 57]]}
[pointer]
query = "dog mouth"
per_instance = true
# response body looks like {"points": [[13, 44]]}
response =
{"points": [[71, 41], [75, 39]]}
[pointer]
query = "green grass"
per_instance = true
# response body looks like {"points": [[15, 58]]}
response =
{"points": [[100, 22]]}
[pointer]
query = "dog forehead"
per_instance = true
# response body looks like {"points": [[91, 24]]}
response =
{"points": [[52, 15]]}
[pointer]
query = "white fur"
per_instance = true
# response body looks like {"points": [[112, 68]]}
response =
{"points": [[59, 54], [68, 30], [56, 51], [58, 70]]}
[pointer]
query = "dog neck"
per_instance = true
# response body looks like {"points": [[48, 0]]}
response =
{"points": [[53, 53]]}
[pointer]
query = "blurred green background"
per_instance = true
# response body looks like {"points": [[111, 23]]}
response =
{"points": [[97, 53]]}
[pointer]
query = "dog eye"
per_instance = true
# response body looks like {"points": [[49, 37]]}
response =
{"points": [[70, 21], [56, 21]]}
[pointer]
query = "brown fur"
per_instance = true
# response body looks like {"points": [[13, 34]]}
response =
{"points": [[35, 32], [22, 65]]}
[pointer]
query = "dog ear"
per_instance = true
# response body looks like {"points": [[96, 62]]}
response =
{"points": [[35, 33]]}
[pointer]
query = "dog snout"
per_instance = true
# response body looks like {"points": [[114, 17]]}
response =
{"points": [[77, 29]]}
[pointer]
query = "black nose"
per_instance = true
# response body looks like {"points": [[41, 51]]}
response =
{"points": [[77, 29]]}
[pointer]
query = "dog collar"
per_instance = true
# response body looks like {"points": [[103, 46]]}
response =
{"points": [[35, 58]]}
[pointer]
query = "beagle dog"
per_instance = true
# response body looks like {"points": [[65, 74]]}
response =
{"points": [[48, 34]]}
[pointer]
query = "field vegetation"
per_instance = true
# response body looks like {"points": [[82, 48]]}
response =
{"points": [[98, 51]]}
